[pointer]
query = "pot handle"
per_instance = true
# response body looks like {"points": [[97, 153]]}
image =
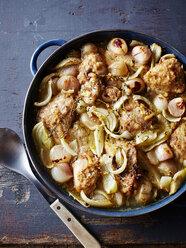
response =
{"points": [[33, 61]]}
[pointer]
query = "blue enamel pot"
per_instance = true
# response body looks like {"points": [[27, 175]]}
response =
{"points": [[29, 114]]}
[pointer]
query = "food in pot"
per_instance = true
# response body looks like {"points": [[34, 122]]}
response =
{"points": [[111, 125]]}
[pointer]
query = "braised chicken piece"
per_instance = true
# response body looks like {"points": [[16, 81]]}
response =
{"points": [[58, 115], [90, 90], [128, 180], [167, 76], [92, 63], [135, 116], [85, 174], [90, 70], [130, 177], [178, 142], [81, 134]]}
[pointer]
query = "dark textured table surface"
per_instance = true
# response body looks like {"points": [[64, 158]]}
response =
{"points": [[25, 217]]}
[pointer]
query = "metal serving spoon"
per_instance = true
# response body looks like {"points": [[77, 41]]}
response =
{"points": [[14, 157]]}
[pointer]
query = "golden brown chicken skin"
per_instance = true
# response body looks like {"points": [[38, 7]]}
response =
{"points": [[58, 115], [128, 180], [178, 142], [166, 77], [135, 116]]}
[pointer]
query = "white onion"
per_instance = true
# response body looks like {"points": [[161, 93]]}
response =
{"points": [[152, 157], [160, 102], [111, 121], [165, 183], [145, 138], [156, 50], [99, 140], [162, 137], [167, 56], [163, 152], [47, 97], [167, 168], [119, 103], [170, 117], [177, 181], [119, 158], [96, 203], [145, 192], [67, 147], [142, 98], [100, 194], [141, 54], [119, 198], [136, 43], [176, 107], [109, 182], [41, 136], [68, 62], [45, 157], [137, 73], [123, 166], [74, 145], [90, 121], [61, 173], [99, 112], [126, 134]]}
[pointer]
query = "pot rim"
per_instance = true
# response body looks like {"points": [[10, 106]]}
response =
{"points": [[98, 211]]}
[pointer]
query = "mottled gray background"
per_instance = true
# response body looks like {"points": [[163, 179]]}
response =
{"points": [[25, 216]]}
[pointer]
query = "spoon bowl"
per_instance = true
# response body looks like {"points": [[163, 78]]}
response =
{"points": [[12, 152]]}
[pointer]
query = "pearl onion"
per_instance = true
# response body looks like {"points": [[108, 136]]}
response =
{"points": [[137, 85], [118, 46], [61, 173], [118, 68], [176, 107], [141, 54], [68, 83], [160, 102], [58, 153]]}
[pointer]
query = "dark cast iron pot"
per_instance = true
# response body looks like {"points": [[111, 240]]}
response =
{"points": [[29, 113]]}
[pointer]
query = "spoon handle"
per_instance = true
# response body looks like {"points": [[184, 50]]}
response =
{"points": [[86, 239]]}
